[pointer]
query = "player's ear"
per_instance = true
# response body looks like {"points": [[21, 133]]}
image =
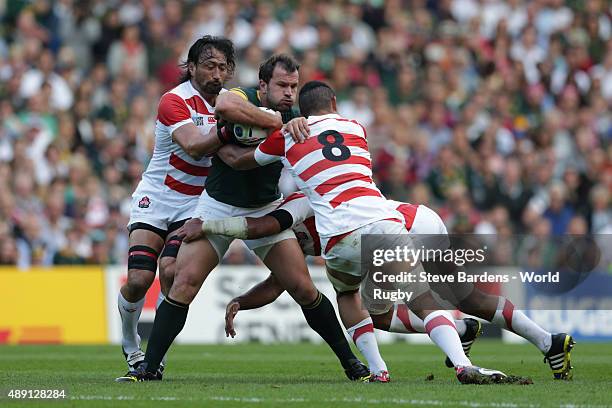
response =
{"points": [[191, 68], [334, 103], [263, 86]]}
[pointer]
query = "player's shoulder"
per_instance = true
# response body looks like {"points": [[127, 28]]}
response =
{"points": [[171, 101], [174, 98], [354, 125], [331, 119], [172, 108], [184, 90], [250, 94], [338, 123]]}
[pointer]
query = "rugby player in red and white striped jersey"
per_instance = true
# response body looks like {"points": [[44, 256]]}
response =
{"points": [[333, 169], [420, 221], [174, 179]]}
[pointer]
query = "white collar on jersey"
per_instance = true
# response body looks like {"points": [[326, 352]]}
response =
{"points": [[313, 118]]}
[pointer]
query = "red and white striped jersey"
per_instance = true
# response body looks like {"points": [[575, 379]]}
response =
{"points": [[303, 217], [333, 169], [407, 210], [171, 171]]}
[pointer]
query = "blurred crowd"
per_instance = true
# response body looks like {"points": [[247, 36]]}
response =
{"points": [[497, 114]]}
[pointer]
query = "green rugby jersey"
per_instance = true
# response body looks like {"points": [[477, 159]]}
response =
{"points": [[246, 188]]}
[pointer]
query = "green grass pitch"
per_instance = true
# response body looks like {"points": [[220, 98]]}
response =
{"points": [[302, 375]]}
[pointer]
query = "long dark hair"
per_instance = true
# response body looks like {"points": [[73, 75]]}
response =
{"points": [[205, 44]]}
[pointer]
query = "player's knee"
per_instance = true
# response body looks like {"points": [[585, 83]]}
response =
{"points": [[186, 280], [167, 269], [138, 283], [304, 294], [185, 286], [167, 265]]}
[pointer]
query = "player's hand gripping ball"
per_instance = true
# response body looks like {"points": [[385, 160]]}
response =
{"points": [[248, 135]]}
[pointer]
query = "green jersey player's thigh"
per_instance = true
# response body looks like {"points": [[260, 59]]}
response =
{"points": [[210, 209]]}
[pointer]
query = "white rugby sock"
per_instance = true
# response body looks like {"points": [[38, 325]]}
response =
{"points": [[363, 336], [441, 329], [517, 322], [130, 313], [405, 321]]}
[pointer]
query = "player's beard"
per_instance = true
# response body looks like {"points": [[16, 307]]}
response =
{"points": [[280, 106], [211, 87]]}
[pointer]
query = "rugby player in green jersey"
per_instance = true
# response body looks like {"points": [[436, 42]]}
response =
{"points": [[250, 193]]}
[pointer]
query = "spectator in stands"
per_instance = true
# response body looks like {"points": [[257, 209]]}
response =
{"points": [[128, 55], [8, 251], [559, 213], [35, 78], [501, 107], [601, 213]]}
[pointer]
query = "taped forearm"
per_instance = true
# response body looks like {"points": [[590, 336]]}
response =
{"points": [[236, 227]]}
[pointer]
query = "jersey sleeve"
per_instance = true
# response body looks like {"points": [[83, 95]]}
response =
{"points": [[270, 150], [240, 92], [298, 206], [173, 112], [365, 134]]}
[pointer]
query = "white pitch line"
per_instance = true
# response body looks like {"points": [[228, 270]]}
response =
{"points": [[360, 400], [583, 406]]}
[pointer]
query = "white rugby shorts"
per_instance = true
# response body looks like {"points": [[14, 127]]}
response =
{"points": [[159, 210], [210, 209]]}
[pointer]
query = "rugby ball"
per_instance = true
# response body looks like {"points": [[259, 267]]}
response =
{"points": [[250, 135]]}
